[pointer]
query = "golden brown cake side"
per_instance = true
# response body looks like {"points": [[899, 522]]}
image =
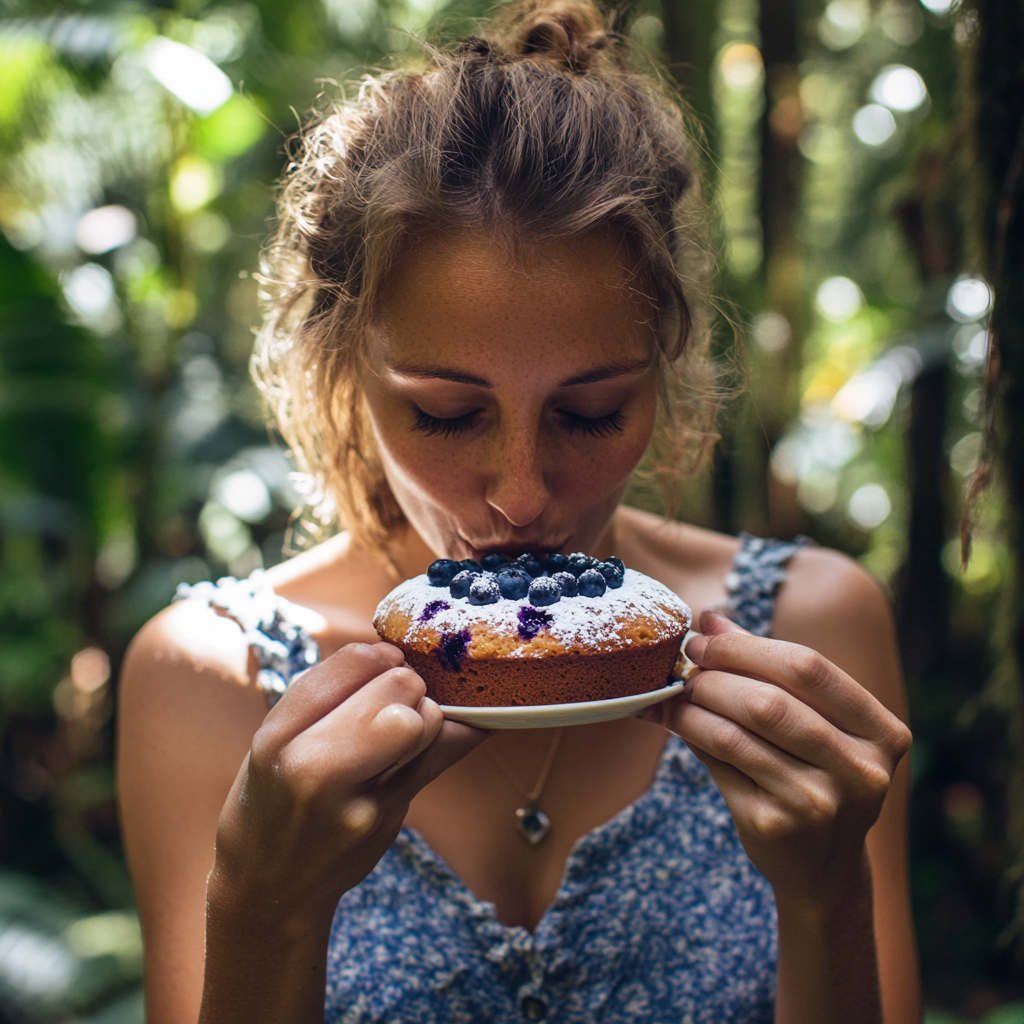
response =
{"points": [[514, 654]]}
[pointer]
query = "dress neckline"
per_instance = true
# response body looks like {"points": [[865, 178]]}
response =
{"points": [[609, 839]]}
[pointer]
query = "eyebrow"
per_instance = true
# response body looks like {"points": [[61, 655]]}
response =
{"points": [[424, 372], [599, 373], [608, 372]]}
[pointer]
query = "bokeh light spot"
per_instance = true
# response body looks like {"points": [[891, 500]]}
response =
{"points": [[188, 74], [964, 455], [874, 125], [245, 494], [89, 290], [899, 88], [771, 331], [742, 66], [838, 299], [90, 669], [843, 23], [194, 183], [869, 506], [969, 299], [105, 228]]}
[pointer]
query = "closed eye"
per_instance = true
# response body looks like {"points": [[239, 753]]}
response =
{"points": [[593, 426], [435, 426]]}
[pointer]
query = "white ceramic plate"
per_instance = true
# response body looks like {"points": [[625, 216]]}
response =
{"points": [[549, 716]]}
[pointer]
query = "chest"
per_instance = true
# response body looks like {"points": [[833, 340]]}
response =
{"points": [[659, 916], [469, 815]]}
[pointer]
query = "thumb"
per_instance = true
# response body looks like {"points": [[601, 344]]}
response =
{"points": [[714, 621]]}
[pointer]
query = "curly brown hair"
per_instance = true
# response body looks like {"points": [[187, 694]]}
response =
{"points": [[534, 131]]}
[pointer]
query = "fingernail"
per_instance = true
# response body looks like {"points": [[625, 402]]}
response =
{"points": [[715, 609], [694, 647]]}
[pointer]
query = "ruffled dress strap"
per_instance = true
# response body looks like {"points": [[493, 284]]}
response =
{"points": [[281, 645], [757, 571]]}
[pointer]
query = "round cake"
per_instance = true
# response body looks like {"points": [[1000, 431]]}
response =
{"points": [[535, 630]]}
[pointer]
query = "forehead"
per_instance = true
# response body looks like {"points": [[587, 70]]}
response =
{"points": [[465, 298]]}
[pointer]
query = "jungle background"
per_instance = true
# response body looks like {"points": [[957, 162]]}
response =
{"points": [[864, 159]]}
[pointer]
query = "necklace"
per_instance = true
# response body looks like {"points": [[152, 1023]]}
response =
{"points": [[532, 822]]}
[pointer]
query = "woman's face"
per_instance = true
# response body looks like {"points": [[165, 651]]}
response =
{"points": [[511, 403]]}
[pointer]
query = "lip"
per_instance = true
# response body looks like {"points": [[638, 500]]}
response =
{"points": [[513, 548]]}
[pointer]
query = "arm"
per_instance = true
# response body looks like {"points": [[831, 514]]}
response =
{"points": [[826, 594], [255, 858], [805, 755], [187, 714]]}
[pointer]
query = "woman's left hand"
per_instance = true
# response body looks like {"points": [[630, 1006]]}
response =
{"points": [[803, 754]]}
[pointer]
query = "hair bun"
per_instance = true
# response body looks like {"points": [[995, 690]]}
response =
{"points": [[571, 33]]}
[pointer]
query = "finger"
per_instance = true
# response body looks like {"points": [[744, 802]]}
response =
{"points": [[779, 774], [731, 781], [754, 815], [452, 743], [433, 718], [806, 674], [660, 712], [714, 621], [321, 689], [378, 726], [783, 720]]}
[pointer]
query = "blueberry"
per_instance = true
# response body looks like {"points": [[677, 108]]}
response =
{"points": [[567, 582], [531, 564], [493, 562], [459, 586], [579, 563], [484, 590], [616, 561], [513, 582], [545, 590], [612, 574], [469, 565], [554, 563], [592, 583], [442, 572]]}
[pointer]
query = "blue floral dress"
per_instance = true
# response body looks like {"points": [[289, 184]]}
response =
{"points": [[660, 916]]}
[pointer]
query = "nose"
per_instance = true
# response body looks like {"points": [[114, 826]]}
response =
{"points": [[517, 487]]}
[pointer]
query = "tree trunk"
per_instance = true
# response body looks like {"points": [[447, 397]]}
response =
{"points": [[923, 606], [999, 144]]}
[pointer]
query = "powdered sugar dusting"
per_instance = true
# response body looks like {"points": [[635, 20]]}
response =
{"points": [[577, 623]]}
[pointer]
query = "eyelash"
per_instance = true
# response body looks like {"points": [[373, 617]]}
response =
{"points": [[591, 426], [595, 426], [434, 426]]}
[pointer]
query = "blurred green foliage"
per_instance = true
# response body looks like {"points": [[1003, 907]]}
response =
{"points": [[139, 144]]}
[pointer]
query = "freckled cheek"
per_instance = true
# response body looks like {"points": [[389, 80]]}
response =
{"points": [[591, 472], [431, 469]]}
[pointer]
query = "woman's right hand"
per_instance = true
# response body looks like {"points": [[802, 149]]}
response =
{"points": [[326, 785]]}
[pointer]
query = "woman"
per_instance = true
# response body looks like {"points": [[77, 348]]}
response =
{"points": [[484, 313]]}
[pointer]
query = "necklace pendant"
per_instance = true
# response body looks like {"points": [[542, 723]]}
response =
{"points": [[533, 823]]}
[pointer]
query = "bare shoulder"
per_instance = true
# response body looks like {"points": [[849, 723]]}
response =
{"points": [[189, 637], [187, 675], [827, 591], [832, 604], [194, 659]]}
